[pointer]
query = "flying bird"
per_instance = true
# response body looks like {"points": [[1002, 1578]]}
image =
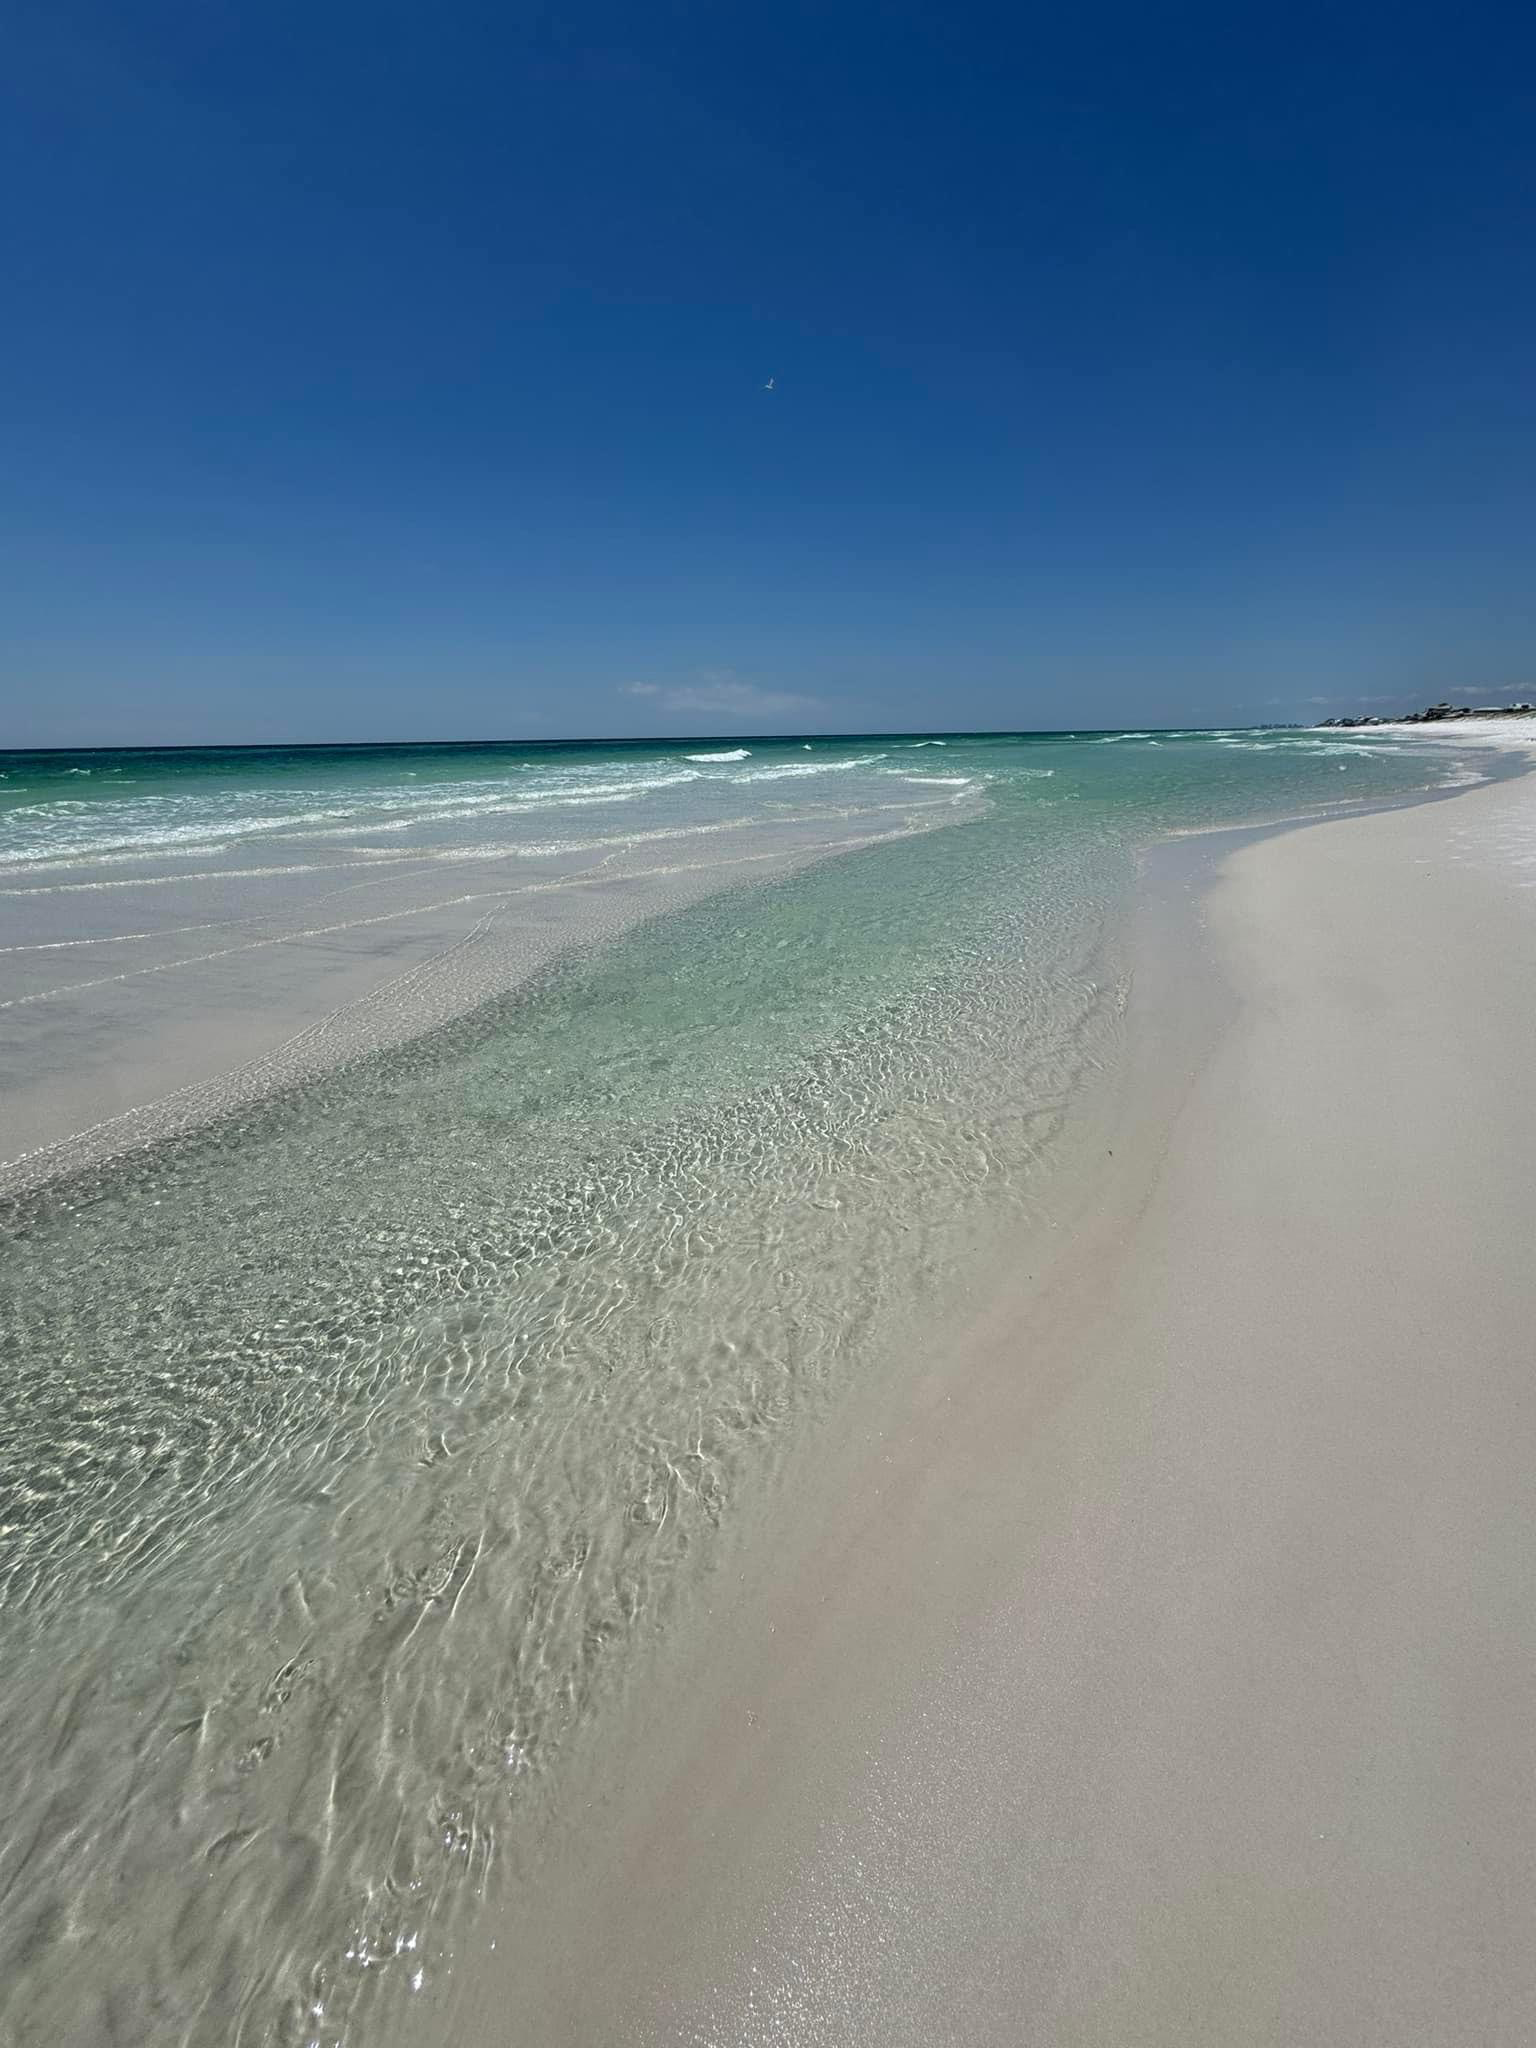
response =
{"points": [[769, 385]]}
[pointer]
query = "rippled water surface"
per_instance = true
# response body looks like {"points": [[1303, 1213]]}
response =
{"points": [[355, 1439]]}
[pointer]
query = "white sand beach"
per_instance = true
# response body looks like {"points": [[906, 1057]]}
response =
{"points": [[1157, 1665]]}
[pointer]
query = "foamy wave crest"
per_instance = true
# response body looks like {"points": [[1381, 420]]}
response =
{"points": [[806, 768], [730, 754], [1369, 751], [608, 792], [69, 830], [137, 840], [447, 810]]}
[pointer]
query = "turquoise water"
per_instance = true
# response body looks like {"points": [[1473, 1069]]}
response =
{"points": [[125, 809], [357, 1440]]}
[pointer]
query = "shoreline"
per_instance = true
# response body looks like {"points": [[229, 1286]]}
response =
{"points": [[452, 1404], [162, 1039], [1084, 1693]]}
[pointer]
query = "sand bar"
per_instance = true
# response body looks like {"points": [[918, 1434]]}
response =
{"points": [[137, 1007]]}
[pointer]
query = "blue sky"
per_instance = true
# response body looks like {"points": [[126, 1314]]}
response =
{"points": [[389, 371]]}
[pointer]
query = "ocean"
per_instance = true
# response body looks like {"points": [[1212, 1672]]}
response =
{"points": [[386, 1381]]}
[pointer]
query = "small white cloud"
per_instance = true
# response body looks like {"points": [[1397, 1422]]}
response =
{"points": [[721, 693]]}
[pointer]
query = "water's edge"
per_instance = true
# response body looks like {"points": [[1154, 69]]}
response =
{"points": [[367, 1566]]}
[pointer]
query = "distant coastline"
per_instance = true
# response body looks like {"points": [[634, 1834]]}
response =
{"points": [[1440, 714]]}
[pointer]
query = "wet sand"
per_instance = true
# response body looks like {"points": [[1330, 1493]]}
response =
{"points": [[1155, 1662]]}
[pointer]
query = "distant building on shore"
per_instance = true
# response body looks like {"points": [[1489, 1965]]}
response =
{"points": [[1438, 714]]}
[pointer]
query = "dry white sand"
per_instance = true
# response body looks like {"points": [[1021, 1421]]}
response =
{"points": [[1159, 1664]]}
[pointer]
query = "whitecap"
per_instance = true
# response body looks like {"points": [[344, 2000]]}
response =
{"points": [[731, 754], [806, 768]]}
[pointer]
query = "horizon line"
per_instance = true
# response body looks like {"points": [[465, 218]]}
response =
{"points": [[640, 739]]}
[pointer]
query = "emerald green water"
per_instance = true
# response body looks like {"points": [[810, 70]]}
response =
{"points": [[357, 1440]]}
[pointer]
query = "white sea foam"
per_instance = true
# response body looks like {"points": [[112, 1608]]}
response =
{"points": [[530, 802], [191, 831], [806, 768], [67, 829], [1300, 744], [151, 838], [1513, 731]]}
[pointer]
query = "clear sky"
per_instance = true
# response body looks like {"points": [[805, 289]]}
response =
{"points": [[380, 371]]}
